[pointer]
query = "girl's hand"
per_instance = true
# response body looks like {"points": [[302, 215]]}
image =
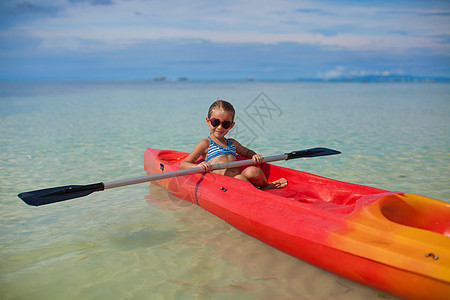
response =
{"points": [[258, 158], [205, 165]]}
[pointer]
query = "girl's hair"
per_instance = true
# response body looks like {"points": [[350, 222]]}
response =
{"points": [[223, 105]]}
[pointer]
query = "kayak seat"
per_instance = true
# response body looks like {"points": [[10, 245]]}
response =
{"points": [[417, 211]]}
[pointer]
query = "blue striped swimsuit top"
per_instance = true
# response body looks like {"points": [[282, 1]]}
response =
{"points": [[216, 150]]}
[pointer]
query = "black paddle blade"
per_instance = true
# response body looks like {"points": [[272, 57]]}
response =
{"points": [[312, 153], [57, 194]]}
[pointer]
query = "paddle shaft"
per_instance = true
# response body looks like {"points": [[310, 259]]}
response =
{"points": [[153, 177], [62, 193]]}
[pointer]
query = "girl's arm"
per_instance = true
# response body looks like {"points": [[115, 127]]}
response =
{"points": [[244, 151], [199, 150]]}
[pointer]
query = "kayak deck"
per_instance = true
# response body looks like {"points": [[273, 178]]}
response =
{"points": [[392, 241]]}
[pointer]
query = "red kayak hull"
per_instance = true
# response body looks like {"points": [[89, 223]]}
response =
{"points": [[395, 242]]}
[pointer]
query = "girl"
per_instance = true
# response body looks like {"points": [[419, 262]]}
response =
{"points": [[217, 149]]}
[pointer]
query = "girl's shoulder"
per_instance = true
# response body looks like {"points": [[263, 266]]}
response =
{"points": [[235, 143], [204, 143], [200, 149]]}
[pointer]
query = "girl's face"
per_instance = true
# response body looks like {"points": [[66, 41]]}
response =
{"points": [[220, 122]]}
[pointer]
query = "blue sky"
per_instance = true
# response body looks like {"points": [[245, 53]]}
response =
{"points": [[222, 40]]}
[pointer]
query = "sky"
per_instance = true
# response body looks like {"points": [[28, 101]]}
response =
{"points": [[223, 40]]}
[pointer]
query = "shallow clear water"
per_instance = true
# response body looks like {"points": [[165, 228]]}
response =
{"points": [[137, 242]]}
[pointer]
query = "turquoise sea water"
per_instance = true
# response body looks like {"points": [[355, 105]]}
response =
{"points": [[136, 242]]}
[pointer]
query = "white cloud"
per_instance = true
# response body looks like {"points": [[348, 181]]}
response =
{"points": [[335, 73], [287, 38], [342, 71], [304, 22]]}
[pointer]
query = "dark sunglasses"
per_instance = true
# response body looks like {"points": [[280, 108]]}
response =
{"points": [[217, 122]]}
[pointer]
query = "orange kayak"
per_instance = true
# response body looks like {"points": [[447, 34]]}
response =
{"points": [[395, 242]]}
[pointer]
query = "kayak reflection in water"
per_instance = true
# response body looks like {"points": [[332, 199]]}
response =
{"points": [[216, 149]]}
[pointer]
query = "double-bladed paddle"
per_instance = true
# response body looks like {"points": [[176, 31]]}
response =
{"points": [[62, 193]]}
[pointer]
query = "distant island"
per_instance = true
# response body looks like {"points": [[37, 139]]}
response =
{"points": [[163, 78], [392, 78], [361, 79]]}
